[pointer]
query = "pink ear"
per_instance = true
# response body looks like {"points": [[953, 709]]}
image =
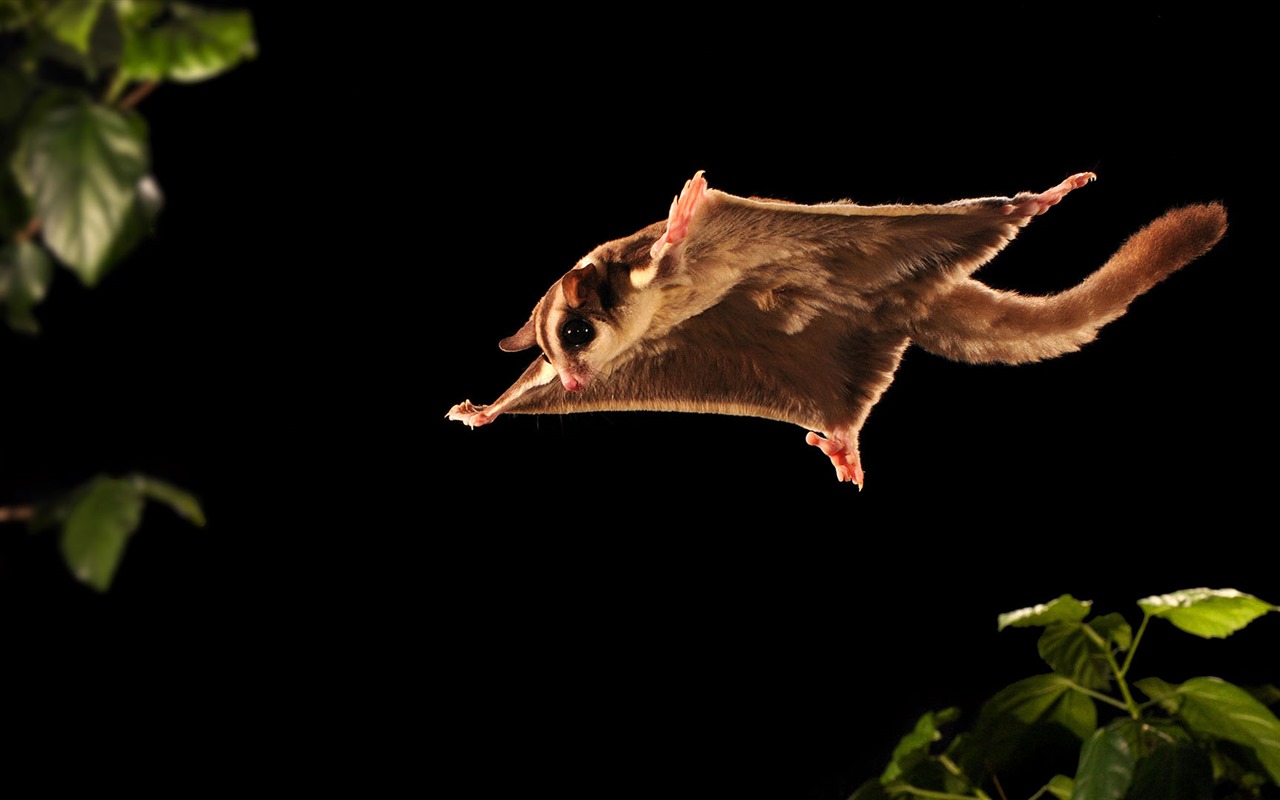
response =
{"points": [[579, 284], [683, 208]]}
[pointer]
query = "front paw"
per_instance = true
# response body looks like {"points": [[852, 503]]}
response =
{"points": [[469, 414]]}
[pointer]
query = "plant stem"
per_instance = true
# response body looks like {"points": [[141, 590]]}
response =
{"points": [[1096, 695], [1133, 648], [29, 231], [906, 787], [136, 96], [1129, 704]]}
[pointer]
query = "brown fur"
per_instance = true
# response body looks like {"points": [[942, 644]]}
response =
{"points": [[802, 313]]}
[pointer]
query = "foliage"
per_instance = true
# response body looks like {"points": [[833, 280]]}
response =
{"points": [[1203, 738], [76, 190]]}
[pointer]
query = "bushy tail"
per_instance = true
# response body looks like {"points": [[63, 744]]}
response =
{"points": [[978, 324]]}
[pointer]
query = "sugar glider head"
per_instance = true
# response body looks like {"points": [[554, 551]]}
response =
{"points": [[596, 316], [592, 318]]}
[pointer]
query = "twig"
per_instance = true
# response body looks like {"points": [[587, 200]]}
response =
{"points": [[29, 231], [136, 96], [16, 513]]}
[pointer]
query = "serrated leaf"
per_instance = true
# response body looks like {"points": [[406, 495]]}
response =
{"points": [[1208, 613], [1179, 771], [1075, 712], [193, 45], [80, 165], [25, 272], [1213, 707], [1106, 767], [1162, 691], [915, 745], [71, 22], [1068, 649], [183, 503], [97, 528], [1060, 786], [138, 223], [1028, 700], [1006, 719], [1065, 609]]}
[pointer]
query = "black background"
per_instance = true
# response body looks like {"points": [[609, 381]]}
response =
{"points": [[632, 603]]}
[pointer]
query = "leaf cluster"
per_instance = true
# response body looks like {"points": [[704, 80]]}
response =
{"points": [[76, 188], [1203, 738]]}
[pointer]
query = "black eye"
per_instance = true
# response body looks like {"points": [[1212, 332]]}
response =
{"points": [[577, 332]]}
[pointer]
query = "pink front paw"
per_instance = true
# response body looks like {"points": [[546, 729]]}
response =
{"points": [[469, 414], [843, 456]]}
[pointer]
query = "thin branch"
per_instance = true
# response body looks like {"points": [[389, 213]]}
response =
{"points": [[137, 95], [16, 513], [929, 793], [29, 231]]}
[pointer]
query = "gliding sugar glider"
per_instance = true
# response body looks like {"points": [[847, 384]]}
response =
{"points": [[801, 313]]}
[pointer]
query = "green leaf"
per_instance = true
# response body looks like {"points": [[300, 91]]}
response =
{"points": [[1061, 787], [1213, 707], [25, 272], [80, 165], [869, 790], [71, 22], [1106, 767], [1208, 613], [104, 516], [138, 13], [1070, 650], [193, 45], [183, 503], [1179, 771], [915, 745], [1065, 609], [1075, 712], [1037, 699], [1008, 719]]}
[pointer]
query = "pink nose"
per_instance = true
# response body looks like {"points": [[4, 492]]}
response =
{"points": [[572, 384]]}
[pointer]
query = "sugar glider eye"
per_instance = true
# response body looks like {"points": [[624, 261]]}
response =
{"points": [[577, 332]]}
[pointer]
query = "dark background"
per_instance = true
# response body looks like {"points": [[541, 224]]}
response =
{"points": [[632, 603]]}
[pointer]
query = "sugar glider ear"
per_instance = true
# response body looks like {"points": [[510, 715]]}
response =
{"points": [[522, 339], [580, 283]]}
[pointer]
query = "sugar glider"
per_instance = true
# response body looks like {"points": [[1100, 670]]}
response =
{"points": [[801, 313]]}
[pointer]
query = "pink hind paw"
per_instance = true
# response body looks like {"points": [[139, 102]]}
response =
{"points": [[842, 454], [682, 210], [1036, 204]]}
